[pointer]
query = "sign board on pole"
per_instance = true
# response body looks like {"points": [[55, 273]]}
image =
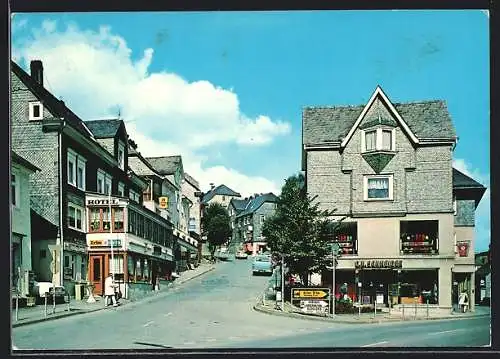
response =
{"points": [[312, 300], [310, 293]]}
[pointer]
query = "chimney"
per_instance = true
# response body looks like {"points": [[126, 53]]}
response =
{"points": [[212, 186], [37, 71]]}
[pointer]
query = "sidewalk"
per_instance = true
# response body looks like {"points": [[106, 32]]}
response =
{"points": [[293, 312], [36, 314]]}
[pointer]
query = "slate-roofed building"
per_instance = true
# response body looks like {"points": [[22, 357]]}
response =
{"points": [[249, 220], [221, 194], [387, 169]]}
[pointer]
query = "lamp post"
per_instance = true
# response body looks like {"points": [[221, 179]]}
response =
{"points": [[335, 250], [282, 282]]}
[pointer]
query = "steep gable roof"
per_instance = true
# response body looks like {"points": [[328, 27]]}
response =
{"points": [[23, 162], [221, 190], [461, 180], [106, 128], [165, 165], [256, 202], [192, 181], [55, 106], [239, 204], [335, 125]]}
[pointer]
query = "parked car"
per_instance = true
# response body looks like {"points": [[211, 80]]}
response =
{"points": [[241, 255], [41, 288], [262, 264]]}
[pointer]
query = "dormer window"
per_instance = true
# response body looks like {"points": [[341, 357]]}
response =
{"points": [[378, 139], [35, 111], [121, 155]]}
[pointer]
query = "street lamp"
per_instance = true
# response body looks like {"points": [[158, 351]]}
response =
{"points": [[335, 250]]}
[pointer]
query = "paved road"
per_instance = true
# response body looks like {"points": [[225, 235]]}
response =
{"points": [[215, 311]]}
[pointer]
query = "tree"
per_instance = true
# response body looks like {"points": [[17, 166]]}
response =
{"points": [[216, 225], [300, 230]]}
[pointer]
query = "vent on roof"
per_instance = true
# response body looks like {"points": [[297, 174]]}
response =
{"points": [[36, 68]]}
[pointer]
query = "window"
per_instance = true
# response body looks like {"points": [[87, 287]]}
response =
{"points": [[76, 170], [223, 198], [121, 155], [262, 218], [105, 219], [380, 139], [118, 219], [121, 189], [133, 195], [75, 217], [131, 221], [419, 237], [14, 186], [35, 111], [95, 220], [370, 140], [103, 182], [378, 187]]}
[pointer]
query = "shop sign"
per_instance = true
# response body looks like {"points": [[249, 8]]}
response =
{"points": [[310, 293], [101, 202], [386, 264], [463, 249], [105, 243], [163, 202]]}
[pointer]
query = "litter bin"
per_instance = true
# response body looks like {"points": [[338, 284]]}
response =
{"points": [[79, 292]]}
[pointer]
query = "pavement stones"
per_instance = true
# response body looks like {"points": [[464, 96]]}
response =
{"points": [[31, 315], [292, 312]]}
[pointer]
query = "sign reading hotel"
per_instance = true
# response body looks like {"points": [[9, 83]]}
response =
{"points": [[163, 201], [379, 264], [102, 201]]}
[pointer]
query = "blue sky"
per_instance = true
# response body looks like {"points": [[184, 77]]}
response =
{"points": [[240, 79]]}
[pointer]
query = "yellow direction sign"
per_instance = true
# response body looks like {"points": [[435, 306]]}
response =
{"points": [[310, 293]]}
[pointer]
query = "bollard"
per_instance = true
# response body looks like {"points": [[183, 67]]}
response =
{"points": [[375, 311], [46, 295], [403, 311], [69, 300], [54, 302], [415, 309], [427, 308]]}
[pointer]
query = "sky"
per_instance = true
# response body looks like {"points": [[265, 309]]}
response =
{"points": [[226, 90]]}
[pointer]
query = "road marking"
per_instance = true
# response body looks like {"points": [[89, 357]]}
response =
{"points": [[211, 340], [374, 344], [166, 315], [234, 338], [189, 343], [446, 331], [148, 324]]}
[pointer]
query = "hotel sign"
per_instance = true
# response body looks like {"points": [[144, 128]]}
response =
{"points": [[376, 264], [101, 202]]}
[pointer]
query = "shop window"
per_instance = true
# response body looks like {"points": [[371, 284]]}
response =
{"points": [[130, 268], [346, 235], [83, 269], [419, 237], [75, 217], [118, 219], [116, 266], [138, 269], [69, 266]]}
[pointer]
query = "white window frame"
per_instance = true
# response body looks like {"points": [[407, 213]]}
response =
{"points": [[378, 139], [77, 208], [390, 177], [106, 179], [79, 162], [121, 189], [454, 205], [121, 148], [32, 110], [17, 185], [262, 218]]}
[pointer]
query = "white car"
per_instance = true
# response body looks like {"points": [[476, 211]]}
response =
{"points": [[41, 288], [241, 255]]}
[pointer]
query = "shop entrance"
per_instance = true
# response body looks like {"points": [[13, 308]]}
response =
{"points": [[375, 285], [97, 273], [461, 282]]}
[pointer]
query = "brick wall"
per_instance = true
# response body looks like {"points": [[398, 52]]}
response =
{"points": [[465, 213]]}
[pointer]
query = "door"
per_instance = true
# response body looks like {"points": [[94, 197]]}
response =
{"points": [[97, 274]]}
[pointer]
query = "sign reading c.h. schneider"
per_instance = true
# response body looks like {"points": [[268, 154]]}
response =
{"points": [[385, 264]]}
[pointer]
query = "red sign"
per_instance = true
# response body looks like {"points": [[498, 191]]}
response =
{"points": [[463, 249]]}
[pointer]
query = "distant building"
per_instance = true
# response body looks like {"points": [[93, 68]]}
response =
{"points": [[221, 194], [248, 222], [483, 276], [21, 264]]}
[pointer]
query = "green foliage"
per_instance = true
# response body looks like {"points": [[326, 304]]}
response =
{"points": [[299, 229], [216, 225]]}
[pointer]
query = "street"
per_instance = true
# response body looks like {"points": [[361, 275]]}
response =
{"points": [[215, 311]]}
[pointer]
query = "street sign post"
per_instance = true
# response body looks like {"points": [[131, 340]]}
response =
{"points": [[312, 300], [335, 250]]}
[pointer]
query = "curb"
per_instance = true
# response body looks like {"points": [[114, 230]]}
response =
{"points": [[83, 311], [260, 308]]}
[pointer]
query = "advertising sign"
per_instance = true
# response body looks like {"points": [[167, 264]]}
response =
{"points": [[163, 202], [310, 293], [105, 242], [315, 306], [463, 249]]}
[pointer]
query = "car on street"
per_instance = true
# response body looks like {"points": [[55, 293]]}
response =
{"points": [[241, 255], [262, 264], [40, 289]]}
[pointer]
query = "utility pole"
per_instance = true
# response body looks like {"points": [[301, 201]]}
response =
{"points": [[335, 250]]}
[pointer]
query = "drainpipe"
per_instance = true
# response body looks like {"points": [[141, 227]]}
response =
{"points": [[61, 227]]}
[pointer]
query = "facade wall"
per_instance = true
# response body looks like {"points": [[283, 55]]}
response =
{"points": [[465, 212], [267, 210], [189, 191]]}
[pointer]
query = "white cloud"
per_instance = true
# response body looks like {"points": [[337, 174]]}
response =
{"points": [[94, 73], [483, 211]]}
